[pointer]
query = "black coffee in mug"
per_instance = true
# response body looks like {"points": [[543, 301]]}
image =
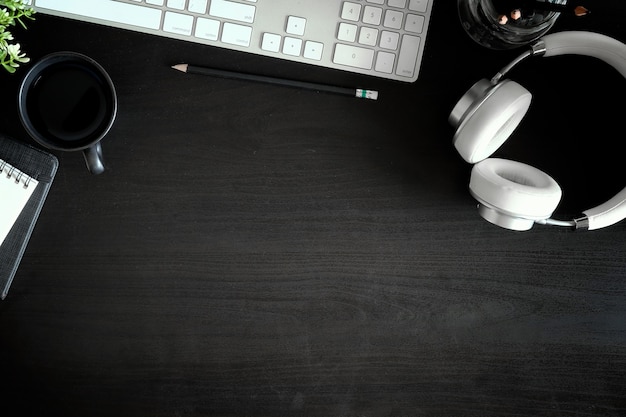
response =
{"points": [[67, 102]]}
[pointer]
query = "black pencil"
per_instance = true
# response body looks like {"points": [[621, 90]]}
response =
{"points": [[541, 5], [559, 7], [352, 92]]}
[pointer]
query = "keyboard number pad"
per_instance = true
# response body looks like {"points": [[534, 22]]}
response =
{"points": [[385, 39]]}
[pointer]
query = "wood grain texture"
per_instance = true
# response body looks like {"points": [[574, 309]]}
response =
{"points": [[263, 251]]}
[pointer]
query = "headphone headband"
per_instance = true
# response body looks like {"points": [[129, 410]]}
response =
{"points": [[583, 43], [607, 49]]}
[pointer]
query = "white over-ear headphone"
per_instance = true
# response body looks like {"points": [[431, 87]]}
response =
{"points": [[512, 194]]}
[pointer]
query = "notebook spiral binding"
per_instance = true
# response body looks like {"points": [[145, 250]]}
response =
{"points": [[16, 174]]}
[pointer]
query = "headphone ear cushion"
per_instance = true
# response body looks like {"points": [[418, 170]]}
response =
{"points": [[514, 189], [490, 120]]}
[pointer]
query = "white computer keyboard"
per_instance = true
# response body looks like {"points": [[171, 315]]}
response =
{"points": [[382, 38]]}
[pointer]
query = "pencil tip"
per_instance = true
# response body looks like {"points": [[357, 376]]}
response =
{"points": [[180, 67]]}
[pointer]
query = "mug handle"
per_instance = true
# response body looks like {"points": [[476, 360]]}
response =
{"points": [[94, 159]]}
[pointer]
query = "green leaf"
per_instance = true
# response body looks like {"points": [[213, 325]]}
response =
{"points": [[12, 11]]}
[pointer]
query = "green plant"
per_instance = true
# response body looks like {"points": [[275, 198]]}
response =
{"points": [[12, 11]]}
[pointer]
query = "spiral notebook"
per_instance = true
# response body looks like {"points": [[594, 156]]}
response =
{"points": [[26, 174], [16, 188]]}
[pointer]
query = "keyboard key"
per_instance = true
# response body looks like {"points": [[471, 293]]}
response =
{"points": [[389, 40], [393, 19], [126, 13], [176, 4], [372, 15], [368, 36], [347, 32], [233, 11], [207, 29], [418, 5], [295, 25], [384, 62], [178, 23], [292, 46], [408, 56], [353, 56], [197, 6], [313, 50], [271, 42], [414, 23], [236, 34], [351, 11], [397, 3]]}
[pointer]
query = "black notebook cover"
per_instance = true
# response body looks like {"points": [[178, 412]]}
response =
{"points": [[41, 166]]}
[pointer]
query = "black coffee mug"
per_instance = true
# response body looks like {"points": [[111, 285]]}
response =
{"points": [[67, 102]]}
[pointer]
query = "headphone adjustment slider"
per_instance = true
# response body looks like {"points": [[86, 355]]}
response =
{"points": [[536, 49], [581, 223]]}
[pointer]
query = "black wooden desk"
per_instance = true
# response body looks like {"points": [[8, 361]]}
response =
{"points": [[255, 250]]}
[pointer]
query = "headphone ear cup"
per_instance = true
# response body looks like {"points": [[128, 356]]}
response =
{"points": [[489, 120], [512, 194]]}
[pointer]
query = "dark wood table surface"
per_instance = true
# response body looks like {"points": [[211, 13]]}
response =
{"points": [[254, 250]]}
